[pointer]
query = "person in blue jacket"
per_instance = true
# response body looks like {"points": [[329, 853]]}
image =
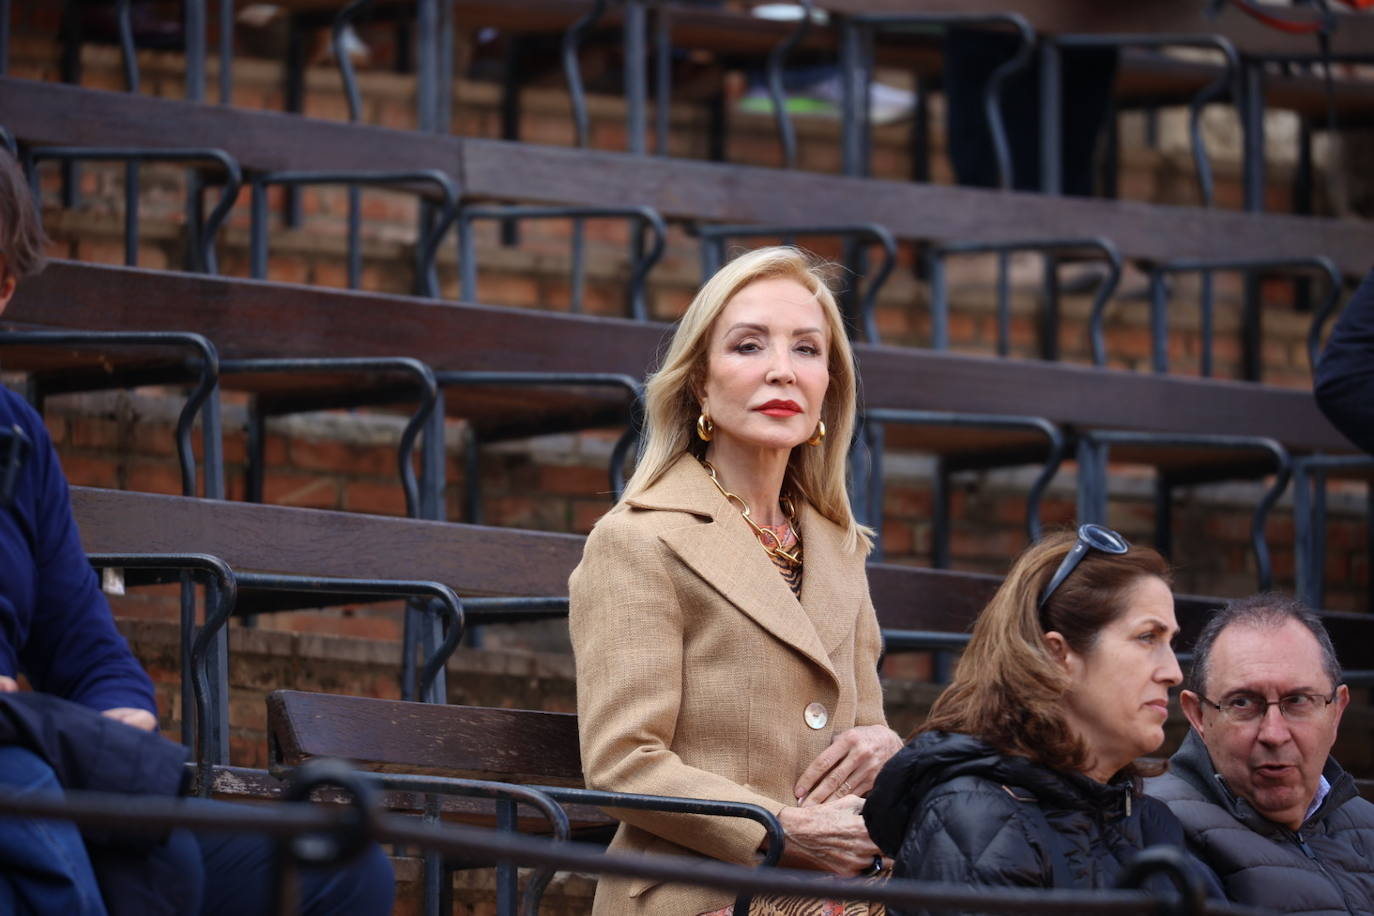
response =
{"points": [[90, 719], [1345, 371]]}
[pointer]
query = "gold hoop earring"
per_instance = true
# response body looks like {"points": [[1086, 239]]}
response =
{"points": [[819, 435], [705, 428]]}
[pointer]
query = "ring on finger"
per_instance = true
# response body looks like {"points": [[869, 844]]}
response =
{"points": [[845, 788]]}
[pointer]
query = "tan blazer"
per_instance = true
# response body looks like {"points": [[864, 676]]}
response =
{"points": [[696, 665]]}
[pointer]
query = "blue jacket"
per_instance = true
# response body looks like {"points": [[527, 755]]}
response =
{"points": [[1345, 371], [55, 625]]}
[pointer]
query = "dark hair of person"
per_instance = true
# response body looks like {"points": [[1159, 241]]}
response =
{"points": [[1268, 610], [21, 233], [1008, 687]]}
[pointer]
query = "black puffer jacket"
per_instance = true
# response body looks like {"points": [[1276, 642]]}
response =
{"points": [[950, 808], [1327, 867]]}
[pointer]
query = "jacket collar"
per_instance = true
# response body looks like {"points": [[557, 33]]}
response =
{"points": [[726, 553], [935, 758], [1193, 764]]}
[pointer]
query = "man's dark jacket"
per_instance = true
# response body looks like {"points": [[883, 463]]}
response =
{"points": [[137, 873], [950, 808], [1326, 867]]}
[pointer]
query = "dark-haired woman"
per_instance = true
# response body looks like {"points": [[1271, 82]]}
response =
{"points": [[1024, 773]]}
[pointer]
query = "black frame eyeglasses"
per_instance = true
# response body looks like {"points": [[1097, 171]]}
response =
{"points": [[1090, 537], [1246, 708]]}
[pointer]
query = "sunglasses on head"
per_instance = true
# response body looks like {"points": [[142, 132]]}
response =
{"points": [[1090, 537]]}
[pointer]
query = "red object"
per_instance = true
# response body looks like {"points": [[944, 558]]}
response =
{"points": [[1292, 26]]}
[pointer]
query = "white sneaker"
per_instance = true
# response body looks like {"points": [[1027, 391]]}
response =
{"points": [[886, 104]]}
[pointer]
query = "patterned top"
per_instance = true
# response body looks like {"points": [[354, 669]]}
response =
{"points": [[787, 540]]}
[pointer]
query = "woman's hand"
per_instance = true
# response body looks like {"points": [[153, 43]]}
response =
{"points": [[8, 684], [129, 715], [848, 766], [828, 837]]}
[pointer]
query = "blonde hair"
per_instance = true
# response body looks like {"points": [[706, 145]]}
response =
{"points": [[671, 403]]}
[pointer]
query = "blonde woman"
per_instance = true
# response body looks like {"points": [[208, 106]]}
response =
{"points": [[726, 645]]}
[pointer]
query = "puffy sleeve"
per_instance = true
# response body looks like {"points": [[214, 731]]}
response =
{"points": [[972, 836], [626, 622]]}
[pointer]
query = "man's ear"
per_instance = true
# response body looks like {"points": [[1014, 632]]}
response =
{"points": [[1342, 701], [7, 287], [1192, 711]]}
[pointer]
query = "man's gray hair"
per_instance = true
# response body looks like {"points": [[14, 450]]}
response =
{"points": [[1268, 610]]}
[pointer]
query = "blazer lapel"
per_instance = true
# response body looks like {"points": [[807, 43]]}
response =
{"points": [[830, 598], [727, 554]]}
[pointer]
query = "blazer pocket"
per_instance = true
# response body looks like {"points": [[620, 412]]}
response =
{"points": [[657, 846]]}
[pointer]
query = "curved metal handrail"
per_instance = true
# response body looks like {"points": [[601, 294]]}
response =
{"points": [[441, 596], [430, 237], [484, 788], [627, 440], [939, 300], [645, 216], [207, 373], [777, 61], [205, 253], [992, 92], [713, 238], [1213, 90], [220, 602], [1283, 469], [1054, 455], [342, 21], [424, 376], [1205, 266], [572, 72]]}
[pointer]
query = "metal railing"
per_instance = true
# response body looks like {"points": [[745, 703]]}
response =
{"points": [[201, 247], [641, 220], [336, 835], [1250, 321], [857, 309], [1095, 445], [432, 227], [204, 648], [1049, 318]]}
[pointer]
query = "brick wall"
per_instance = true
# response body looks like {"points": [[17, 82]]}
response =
{"points": [[346, 461]]}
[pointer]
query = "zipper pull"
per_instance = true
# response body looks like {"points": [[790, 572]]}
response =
{"points": [[1302, 844]]}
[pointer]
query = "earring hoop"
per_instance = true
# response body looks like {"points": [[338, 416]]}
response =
{"points": [[819, 435], [705, 428]]}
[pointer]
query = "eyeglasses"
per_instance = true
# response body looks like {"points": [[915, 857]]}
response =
{"points": [[1090, 536], [1250, 707]]}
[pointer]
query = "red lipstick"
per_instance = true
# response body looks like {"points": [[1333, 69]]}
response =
{"points": [[777, 408]]}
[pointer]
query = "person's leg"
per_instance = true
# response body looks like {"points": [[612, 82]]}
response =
{"points": [[1089, 79], [44, 862], [240, 875], [157, 879]]}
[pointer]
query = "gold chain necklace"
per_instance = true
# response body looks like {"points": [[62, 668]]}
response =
{"points": [[777, 551]]}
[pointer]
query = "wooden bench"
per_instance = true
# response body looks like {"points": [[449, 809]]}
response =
{"points": [[254, 319], [51, 113], [246, 318], [442, 749], [482, 561]]}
